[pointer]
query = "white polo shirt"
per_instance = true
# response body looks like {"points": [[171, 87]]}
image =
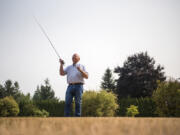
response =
{"points": [[73, 74]]}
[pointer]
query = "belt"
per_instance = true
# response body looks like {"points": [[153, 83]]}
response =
{"points": [[75, 83]]}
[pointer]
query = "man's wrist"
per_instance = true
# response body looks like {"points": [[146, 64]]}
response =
{"points": [[82, 71]]}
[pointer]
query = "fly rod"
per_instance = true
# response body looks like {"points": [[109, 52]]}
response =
{"points": [[40, 26]]}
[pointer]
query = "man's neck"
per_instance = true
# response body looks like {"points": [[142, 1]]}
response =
{"points": [[75, 63]]}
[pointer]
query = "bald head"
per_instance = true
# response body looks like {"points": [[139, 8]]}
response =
{"points": [[75, 58]]}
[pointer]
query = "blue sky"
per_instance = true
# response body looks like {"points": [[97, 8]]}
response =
{"points": [[103, 32]]}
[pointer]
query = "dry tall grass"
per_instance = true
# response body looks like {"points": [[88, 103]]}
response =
{"points": [[90, 126]]}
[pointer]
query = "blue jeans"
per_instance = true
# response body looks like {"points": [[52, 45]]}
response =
{"points": [[73, 91]]}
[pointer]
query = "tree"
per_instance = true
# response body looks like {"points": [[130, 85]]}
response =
{"points": [[167, 98], [2, 91], [9, 89], [108, 82], [138, 76], [45, 92]]}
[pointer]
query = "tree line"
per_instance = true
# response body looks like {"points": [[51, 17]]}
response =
{"points": [[141, 89], [44, 103]]}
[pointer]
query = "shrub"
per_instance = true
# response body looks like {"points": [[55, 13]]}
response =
{"points": [[98, 103], [132, 111], [54, 107], [31, 110], [28, 108], [167, 98], [8, 107], [44, 113], [146, 106], [39, 113]]}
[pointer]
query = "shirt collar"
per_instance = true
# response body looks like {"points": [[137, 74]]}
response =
{"points": [[75, 64]]}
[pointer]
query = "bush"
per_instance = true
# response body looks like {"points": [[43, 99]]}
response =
{"points": [[146, 106], [39, 113], [167, 98], [132, 111], [54, 107], [28, 108], [98, 103], [8, 107], [31, 110], [44, 113]]}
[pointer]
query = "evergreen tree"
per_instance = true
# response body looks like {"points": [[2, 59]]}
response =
{"points": [[44, 92], [2, 91], [138, 77], [108, 82], [9, 89]]}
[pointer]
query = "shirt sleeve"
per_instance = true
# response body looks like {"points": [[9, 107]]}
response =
{"points": [[66, 70], [84, 69]]}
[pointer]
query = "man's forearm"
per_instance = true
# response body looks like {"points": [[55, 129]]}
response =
{"points": [[84, 74], [61, 70]]}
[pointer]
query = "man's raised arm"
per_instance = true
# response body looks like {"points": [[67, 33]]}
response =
{"points": [[61, 71]]}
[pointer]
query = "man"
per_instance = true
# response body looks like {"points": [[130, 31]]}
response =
{"points": [[75, 78]]}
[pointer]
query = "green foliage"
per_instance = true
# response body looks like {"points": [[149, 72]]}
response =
{"points": [[45, 92], [167, 98], [2, 91], [44, 113], [25, 104], [32, 110], [98, 103], [28, 108], [138, 76], [55, 108], [40, 113], [146, 106], [132, 111], [108, 82], [9, 89], [8, 107]]}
